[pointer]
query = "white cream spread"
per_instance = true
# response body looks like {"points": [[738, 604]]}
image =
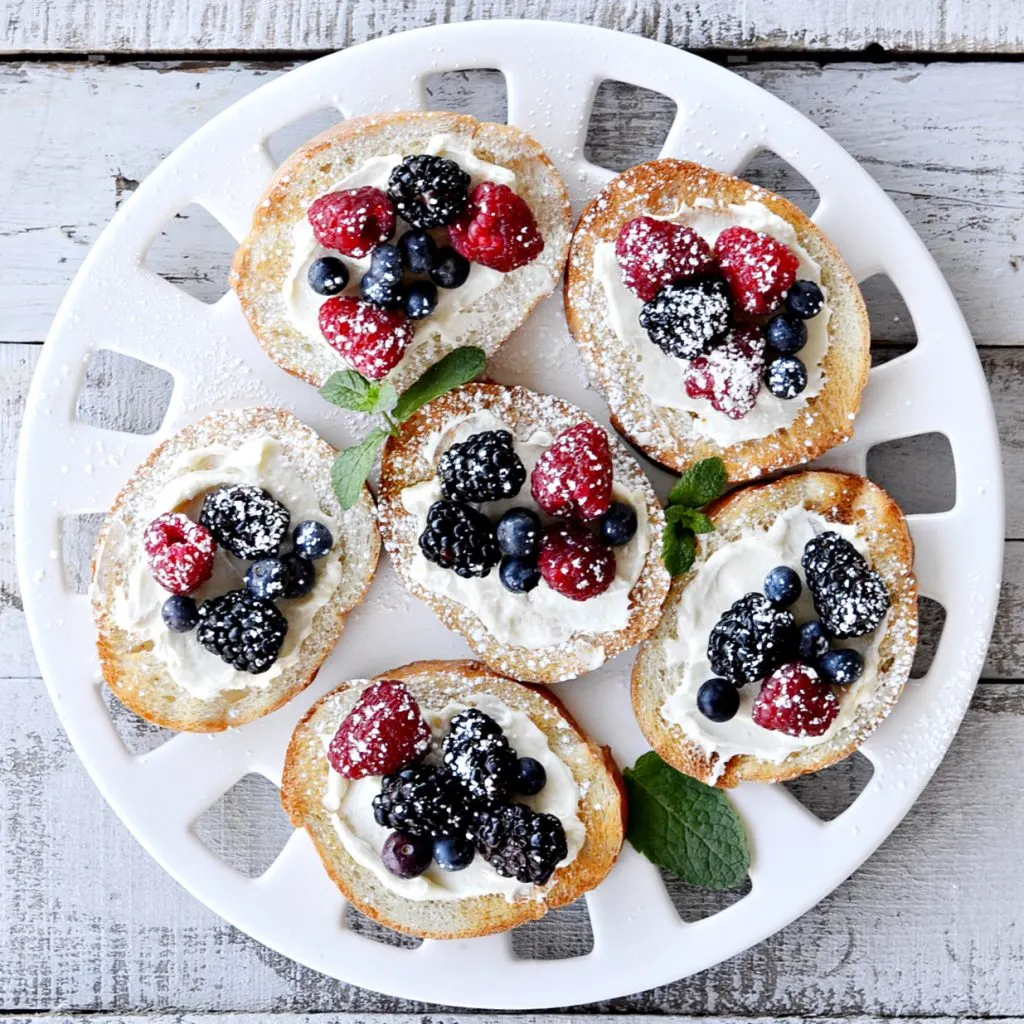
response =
{"points": [[351, 805], [543, 617], [261, 461], [735, 569], [663, 375]]}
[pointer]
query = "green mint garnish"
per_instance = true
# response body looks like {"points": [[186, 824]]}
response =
{"points": [[700, 484]]}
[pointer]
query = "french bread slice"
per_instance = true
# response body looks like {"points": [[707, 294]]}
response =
{"points": [[667, 435], [412, 458], [262, 262], [140, 679], [435, 684], [839, 498]]}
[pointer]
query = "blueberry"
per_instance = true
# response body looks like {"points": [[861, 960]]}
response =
{"points": [[301, 575], [813, 641], [842, 667], [531, 778], [518, 575], [453, 853], [327, 276], [419, 251], [786, 377], [180, 613], [407, 856], [519, 532], [718, 700], [782, 586], [268, 578], [420, 300], [805, 300], [382, 283], [450, 269], [312, 539], [618, 525], [786, 334]]}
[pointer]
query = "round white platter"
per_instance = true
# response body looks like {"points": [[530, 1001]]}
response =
{"points": [[552, 72]]}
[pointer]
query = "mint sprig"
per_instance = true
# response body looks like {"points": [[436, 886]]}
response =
{"points": [[700, 484], [351, 390], [684, 826]]}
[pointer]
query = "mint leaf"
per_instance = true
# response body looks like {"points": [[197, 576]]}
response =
{"points": [[350, 390], [352, 467], [702, 482], [384, 397], [679, 548], [684, 826], [696, 520], [458, 367]]}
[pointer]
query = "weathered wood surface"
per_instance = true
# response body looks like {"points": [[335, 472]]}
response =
{"points": [[124, 26]]}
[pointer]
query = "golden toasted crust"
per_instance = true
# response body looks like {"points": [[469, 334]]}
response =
{"points": [[262, 262], [840, 498], [434, 684], [412, 458], [657, 189], [139, 679]]}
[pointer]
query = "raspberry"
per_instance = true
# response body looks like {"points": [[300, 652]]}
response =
{"points": [[575, 563], [179, 551], [794, 701], [352, 221], [497, 229], [652, 253], [373, 340], [574, 476], [759, 268], [730, 375], [383, 733]]}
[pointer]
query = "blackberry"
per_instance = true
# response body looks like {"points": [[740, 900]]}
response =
{"points": [[828, 551], [429, 191], [480, 758], [484, 467], [244, 630], [246, 520], [460, 538], [422, 801], [519, 843], [751, 640], [689, 318], [850, 598]]}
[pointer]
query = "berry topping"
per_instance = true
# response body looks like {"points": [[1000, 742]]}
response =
{"points": [[531, 776], [793, 701], [687, 319], [575, 563], [782, 586], [497, 229], [454, 853], [759, 268], [479, 758], [574, 476], [484, 467], [301, 575], [450, 269], [459, 537], [245, 520], [786, 377], [851, 599], [829, 551], [718, 700], [420, 300], [327, 276], [786, 334], [518, 533], [180, 613], [750, 640], [730, 376], [419, 251], [179, 552], [652, 253], [352, 221], [805, 300], [312, 539], [618, 525], [406, 856], [382, 283], [371, 339], [518, 575], [244, 630], [813, 642], [520, 843], [382, 734], [842, 667], [422, 801], [428, 191], [268, 578]]}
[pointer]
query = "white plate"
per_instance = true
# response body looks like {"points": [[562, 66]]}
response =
{"points": [[552, 72]]}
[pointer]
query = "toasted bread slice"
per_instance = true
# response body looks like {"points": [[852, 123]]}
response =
{"points": [[142, 680], [412, 458], [879, 523], [262, 263], [435, 684], [667, 434]]}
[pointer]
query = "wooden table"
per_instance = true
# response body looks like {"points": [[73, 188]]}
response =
{"points": [[929, 96]]}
